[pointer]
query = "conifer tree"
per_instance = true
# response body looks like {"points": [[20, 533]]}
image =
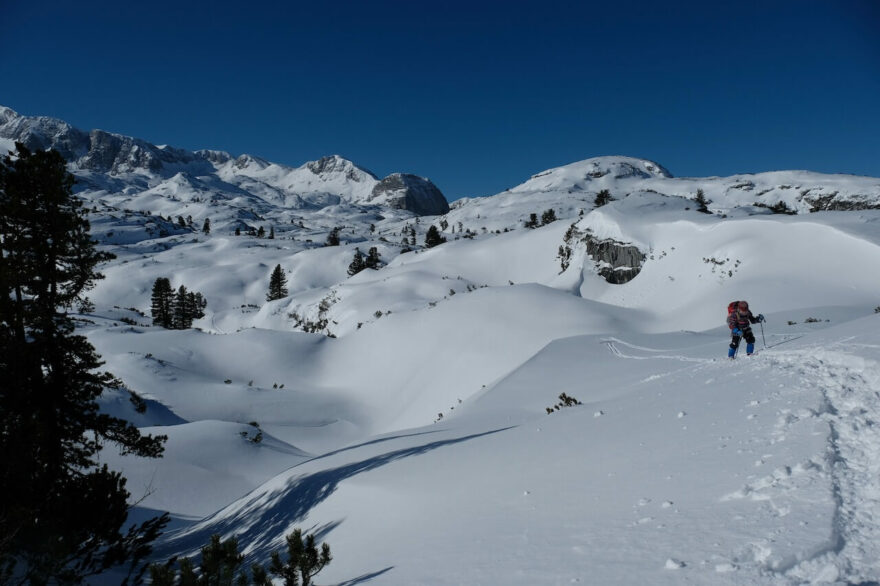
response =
{"points": [[532, 222], [62, 514], [357, 263], [602, 198], [261, 232], [433, 238], [271, 232], [206, 227], [238, 231], [702, 202], [372, 261], [277, 284], [161, 303], [548, 217], [181, 318], [332, 238]]}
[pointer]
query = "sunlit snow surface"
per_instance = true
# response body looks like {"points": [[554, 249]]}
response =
{"points": [[417, 442]]}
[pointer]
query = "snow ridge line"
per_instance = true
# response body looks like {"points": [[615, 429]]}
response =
{"points": [[848, 385]]}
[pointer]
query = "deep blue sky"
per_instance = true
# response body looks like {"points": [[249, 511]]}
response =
{"points": [[475, 95]]}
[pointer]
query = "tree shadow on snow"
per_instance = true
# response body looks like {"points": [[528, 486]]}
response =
{"points": [[365, 577], [260, 520]]}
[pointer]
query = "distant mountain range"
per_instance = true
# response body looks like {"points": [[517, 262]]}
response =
{"points": [[108, 161], [126, 173]]}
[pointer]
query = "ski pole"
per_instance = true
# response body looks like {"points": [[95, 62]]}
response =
{"points": [[763, 339]]}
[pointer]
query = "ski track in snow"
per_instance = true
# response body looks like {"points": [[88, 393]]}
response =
{"points": [[612, 344], [848, 385]]}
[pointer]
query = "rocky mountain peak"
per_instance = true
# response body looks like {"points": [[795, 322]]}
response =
{"points": [[336, 165]]}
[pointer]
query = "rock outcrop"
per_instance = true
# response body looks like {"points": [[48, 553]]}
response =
{"points": [[616, 262], [409, 192]]}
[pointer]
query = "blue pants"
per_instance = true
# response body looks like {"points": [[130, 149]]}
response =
{"points": [[734, 342]]}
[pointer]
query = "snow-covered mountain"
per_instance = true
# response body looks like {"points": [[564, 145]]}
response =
{"points": [[408, 415]]}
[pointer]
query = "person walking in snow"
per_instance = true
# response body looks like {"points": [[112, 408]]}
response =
{"points": [[740, 320]]}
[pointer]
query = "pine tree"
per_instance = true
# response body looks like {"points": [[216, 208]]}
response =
{"points": [[181, 317], [195, 305], [238, 231], [62, 513], [161, 303], [271, 232], [548, 217], [433, 238], [532, 222], [261, 232], [702, 202], [602, 198], [357, 263], [206, 227], [277, 285], [332, 238], [372, 261]]}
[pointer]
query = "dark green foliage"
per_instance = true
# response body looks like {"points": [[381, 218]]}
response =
{"points": [[548, 217], [161, 303], [206, 227], [237, 231], [303, 560], [780, 207], [271, 232], [188, 306], [357, 263], [372, 261], [181, 222], [603, 198], [332, 238], [223, 565], [175, 311], [433, 238], [564, 401], [261, 232], [702, 202], [61, 514], [532, 222], [277, 284]]}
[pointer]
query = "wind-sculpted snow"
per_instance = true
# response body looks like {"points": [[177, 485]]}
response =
{"points": [[492, 410]]}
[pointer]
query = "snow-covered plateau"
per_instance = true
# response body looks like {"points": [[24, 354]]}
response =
{"points": [[408, 415]]}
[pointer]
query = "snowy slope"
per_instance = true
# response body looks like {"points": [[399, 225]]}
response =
{"points": [[410, 429]]}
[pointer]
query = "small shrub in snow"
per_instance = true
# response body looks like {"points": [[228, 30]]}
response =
{"points": [[877, 309], [222, 563], [564, 401]]}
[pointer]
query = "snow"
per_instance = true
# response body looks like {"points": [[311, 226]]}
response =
{"points": [[412, 431]]}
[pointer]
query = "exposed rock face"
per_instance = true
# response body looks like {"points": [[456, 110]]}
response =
{"points": [[41, 133], [335, 165], [409, 192], [617, 262]]}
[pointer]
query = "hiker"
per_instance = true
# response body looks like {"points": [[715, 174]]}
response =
{"points": [[740, 320]]}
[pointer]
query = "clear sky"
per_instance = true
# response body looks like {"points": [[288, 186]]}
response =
{"points": [[475, 95]]}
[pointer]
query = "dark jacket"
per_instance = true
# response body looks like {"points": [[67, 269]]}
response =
{"points": [[741, 319]]}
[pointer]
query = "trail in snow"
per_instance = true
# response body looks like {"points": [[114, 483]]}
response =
{"points": [[651, 353], [849, 385]]}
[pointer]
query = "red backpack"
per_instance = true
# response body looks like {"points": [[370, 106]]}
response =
{"points": [[731, 307]]}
